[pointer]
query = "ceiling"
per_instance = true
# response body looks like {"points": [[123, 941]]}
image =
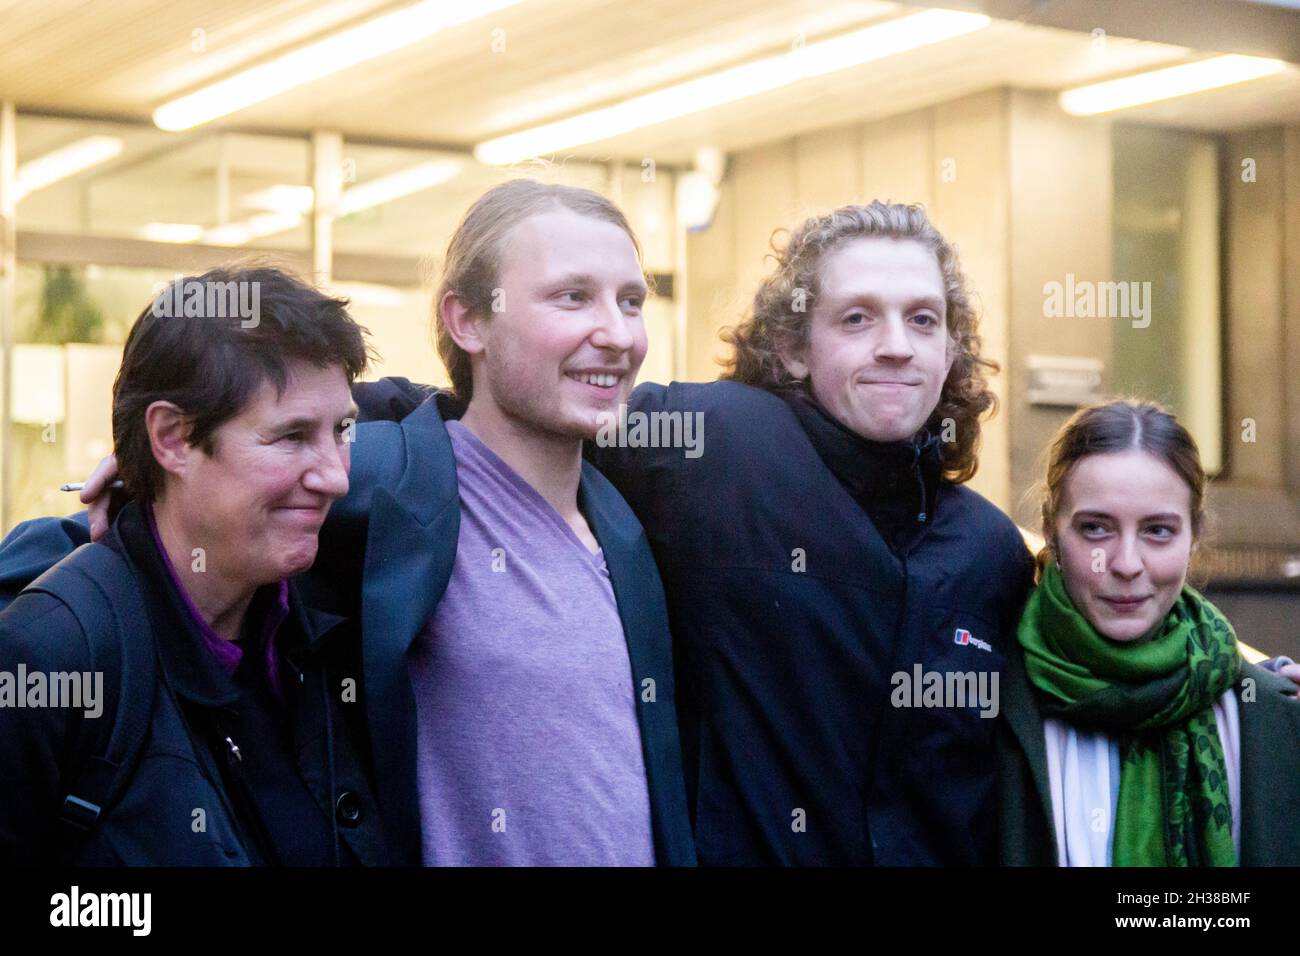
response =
{"points": [[546, 59]]}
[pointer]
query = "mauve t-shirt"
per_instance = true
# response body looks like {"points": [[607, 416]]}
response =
{"points": [[529, 751]]}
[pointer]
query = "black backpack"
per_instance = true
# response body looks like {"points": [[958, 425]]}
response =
{"points": [[98, 586]]}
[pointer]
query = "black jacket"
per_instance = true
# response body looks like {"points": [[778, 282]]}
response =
{"points": [[804, 569], [188, 802]]}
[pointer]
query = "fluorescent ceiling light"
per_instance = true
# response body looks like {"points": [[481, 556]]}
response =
{"points": [[172, 232], [295, 201], [1166, 83], [341, 50], [281, 198], [734, 83], [413, 179], [66, 161], [231, 234], [255, 227]]}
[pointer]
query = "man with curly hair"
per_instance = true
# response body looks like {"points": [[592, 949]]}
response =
{"points": [[831, 580]]}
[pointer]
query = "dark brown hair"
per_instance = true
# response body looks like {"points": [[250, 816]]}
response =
{"points": [[775, 326], [210, 365], [1118, 426]]}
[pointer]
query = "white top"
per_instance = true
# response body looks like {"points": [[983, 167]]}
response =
{"points": [[1083, 776]]}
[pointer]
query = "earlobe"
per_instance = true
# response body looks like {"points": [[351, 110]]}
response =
{"points": [[461, 323], [795, 367]]}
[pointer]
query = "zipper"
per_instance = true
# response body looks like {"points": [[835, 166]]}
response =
{"points": [[242, 794]]}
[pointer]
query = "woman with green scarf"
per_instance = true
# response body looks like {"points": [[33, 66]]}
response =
{"points": [[1133, 733]]}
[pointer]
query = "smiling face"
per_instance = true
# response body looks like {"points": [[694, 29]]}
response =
{"points": [[257, 502], [878, 348], [1124, 540], [564, 350]]}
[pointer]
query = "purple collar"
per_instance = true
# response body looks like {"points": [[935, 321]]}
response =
{"points": [[229, 653]]}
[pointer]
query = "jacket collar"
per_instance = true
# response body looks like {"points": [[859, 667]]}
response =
{"points": [[190, 666], [896, 483], [419, 518], [1021, 711], [414, 513]]}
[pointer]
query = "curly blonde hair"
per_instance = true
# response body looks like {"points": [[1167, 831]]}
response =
{"points": [[774, 327]]}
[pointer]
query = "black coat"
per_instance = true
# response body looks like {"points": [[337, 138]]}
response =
{"points": [[790, 615], [184, 766]]}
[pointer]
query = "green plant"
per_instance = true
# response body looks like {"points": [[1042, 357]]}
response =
{"points": [[68, 313]]}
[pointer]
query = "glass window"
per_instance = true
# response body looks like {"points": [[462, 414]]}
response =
{"points": [[403, 201], [71, 323], [91, 181], [134, 181]]}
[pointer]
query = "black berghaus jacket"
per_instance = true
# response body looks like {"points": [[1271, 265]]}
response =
{"points": [[805, 569]]}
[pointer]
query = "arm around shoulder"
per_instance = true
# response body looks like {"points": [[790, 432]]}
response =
{"points": [[33, 547]]}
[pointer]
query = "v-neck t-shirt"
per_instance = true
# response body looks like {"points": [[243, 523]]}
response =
{"points": [[529, 750]]}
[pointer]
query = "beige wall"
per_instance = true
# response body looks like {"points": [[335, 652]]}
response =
{"points": [[970, 206], [1059, 177]]}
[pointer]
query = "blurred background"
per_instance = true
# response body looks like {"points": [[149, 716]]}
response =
{"points": [[1060, 145]]}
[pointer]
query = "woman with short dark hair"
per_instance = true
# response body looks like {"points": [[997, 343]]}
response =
{"points": [[1134, 733], [220, 721]]}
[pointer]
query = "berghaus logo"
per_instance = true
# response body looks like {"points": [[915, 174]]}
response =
{"points": [[967, 639]]}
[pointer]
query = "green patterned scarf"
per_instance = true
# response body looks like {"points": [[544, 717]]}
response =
{"points": [[1155, 697]]}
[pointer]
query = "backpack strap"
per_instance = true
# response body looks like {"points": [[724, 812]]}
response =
{"points": [[98, 585]]}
